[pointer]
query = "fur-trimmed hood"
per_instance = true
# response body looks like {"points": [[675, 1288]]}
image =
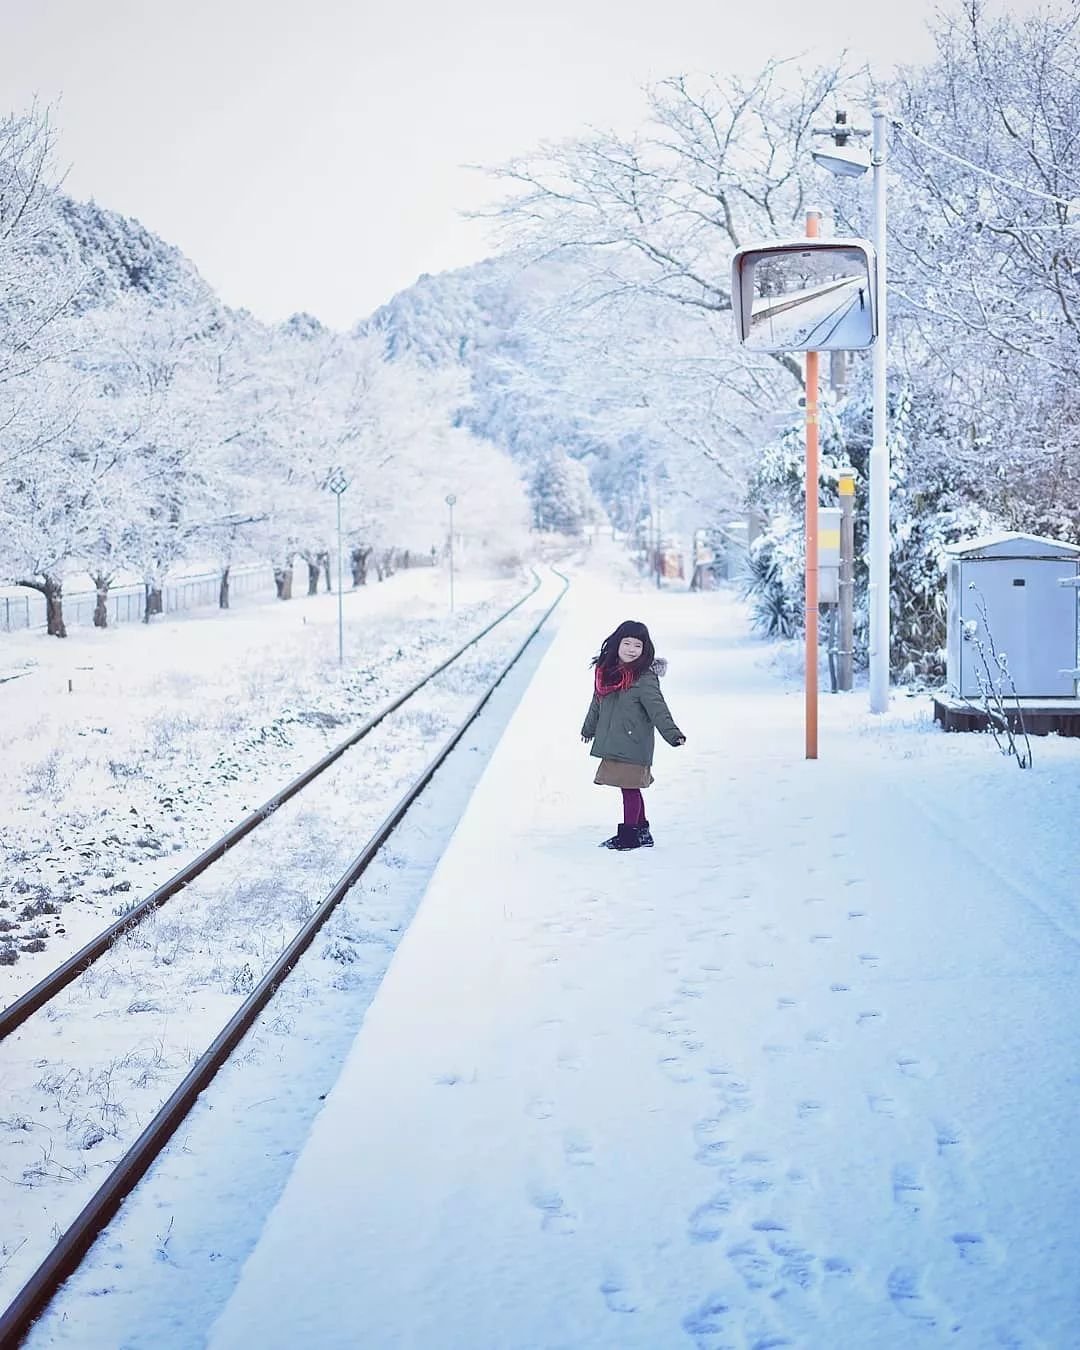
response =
{"points": [[659, 667]]}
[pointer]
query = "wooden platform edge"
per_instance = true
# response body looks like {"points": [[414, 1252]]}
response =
{"points": [[1044, 721]]}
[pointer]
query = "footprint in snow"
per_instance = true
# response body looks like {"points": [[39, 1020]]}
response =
{"points": [[752, 1265], [907, 1297], [911, 1067], [796, 1263], [976, 1250], [665, 1021], [754, 1175], [712, 1152], [554, 1215], [675, 1068], [706, 1223], [732, 1094], [949, 1139], [541, 1108], [708, 1318], [867, 1017], [836, 1265], [907, 1189], [577, 1148], [708, 1129], [617, 1297]]}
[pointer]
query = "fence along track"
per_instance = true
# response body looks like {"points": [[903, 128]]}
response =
{"points": [[50, 985], [65, 1257]]}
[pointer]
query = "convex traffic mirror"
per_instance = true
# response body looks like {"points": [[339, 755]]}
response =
{"points": [[805, 295]]}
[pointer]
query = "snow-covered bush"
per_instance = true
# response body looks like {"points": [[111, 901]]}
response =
{"points": [[927, 511], [775, 609]]}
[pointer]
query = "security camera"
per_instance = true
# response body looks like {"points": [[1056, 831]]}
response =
{"points": [[846, 161]]}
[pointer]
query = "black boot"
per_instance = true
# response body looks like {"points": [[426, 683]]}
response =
{"points": [[645, 839], [625, 837]]}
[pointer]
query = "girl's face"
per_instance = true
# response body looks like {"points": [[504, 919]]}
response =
{"points": [[630, 649]]}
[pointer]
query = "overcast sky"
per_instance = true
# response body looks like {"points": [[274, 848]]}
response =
{"points": [[307, 154]]}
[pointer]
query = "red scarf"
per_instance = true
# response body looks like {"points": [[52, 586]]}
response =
{"points": [[622, 679]]}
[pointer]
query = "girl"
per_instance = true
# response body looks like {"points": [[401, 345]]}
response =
{"points": [[627, 705]]}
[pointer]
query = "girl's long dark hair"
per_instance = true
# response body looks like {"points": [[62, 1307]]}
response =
{"points": [[608, 657]]}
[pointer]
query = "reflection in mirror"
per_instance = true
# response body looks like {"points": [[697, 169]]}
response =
{"points": [[812, 300]]}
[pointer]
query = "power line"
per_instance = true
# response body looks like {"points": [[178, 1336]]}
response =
{"points": [[1072, 203]]}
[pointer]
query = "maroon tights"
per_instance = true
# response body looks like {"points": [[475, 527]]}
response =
{"points": [[633, 806]]}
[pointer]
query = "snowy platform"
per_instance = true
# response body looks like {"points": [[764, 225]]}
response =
{"points": [[803, 1075], [1041, 716]]}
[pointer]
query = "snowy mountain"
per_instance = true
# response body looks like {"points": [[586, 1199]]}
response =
{"points": [[485, 318], [511, 326], [120, 257]]}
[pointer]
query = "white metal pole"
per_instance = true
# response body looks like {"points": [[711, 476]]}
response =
{"points": [[879, 452], [340, 620], [451, 557]]}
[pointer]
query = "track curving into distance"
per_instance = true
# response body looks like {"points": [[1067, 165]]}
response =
{"points": [[77, 1240]]}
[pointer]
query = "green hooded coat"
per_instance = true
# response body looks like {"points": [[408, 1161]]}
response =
{"points": [[621, 725]]}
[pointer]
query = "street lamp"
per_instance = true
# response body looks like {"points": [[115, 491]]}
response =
{"points": [[338, 484], [848, 161], [450, 500]]}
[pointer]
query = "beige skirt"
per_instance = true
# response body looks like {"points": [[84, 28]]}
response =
{"points": [[618, 773]]}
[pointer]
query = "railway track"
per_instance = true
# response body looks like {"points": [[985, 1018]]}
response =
{"points": [[50, 985], [79, 1236]]}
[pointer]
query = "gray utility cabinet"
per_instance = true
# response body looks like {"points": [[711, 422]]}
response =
{"points": [[1031, 616]]}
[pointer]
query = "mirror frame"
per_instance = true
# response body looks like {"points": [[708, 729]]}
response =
{"points": [[742, 287]]}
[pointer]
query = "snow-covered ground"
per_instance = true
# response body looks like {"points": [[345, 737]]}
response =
{"points": [[82, 1078], [804, 1075], [127, 751]]}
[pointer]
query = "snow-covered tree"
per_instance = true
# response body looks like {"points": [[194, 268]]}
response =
{"points": [[986, 255]]}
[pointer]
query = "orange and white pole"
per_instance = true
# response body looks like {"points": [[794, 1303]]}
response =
{"points": [[813, 221]]}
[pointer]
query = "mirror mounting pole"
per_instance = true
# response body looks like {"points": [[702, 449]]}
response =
{"points": [[813, 474], [879, 452]]}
